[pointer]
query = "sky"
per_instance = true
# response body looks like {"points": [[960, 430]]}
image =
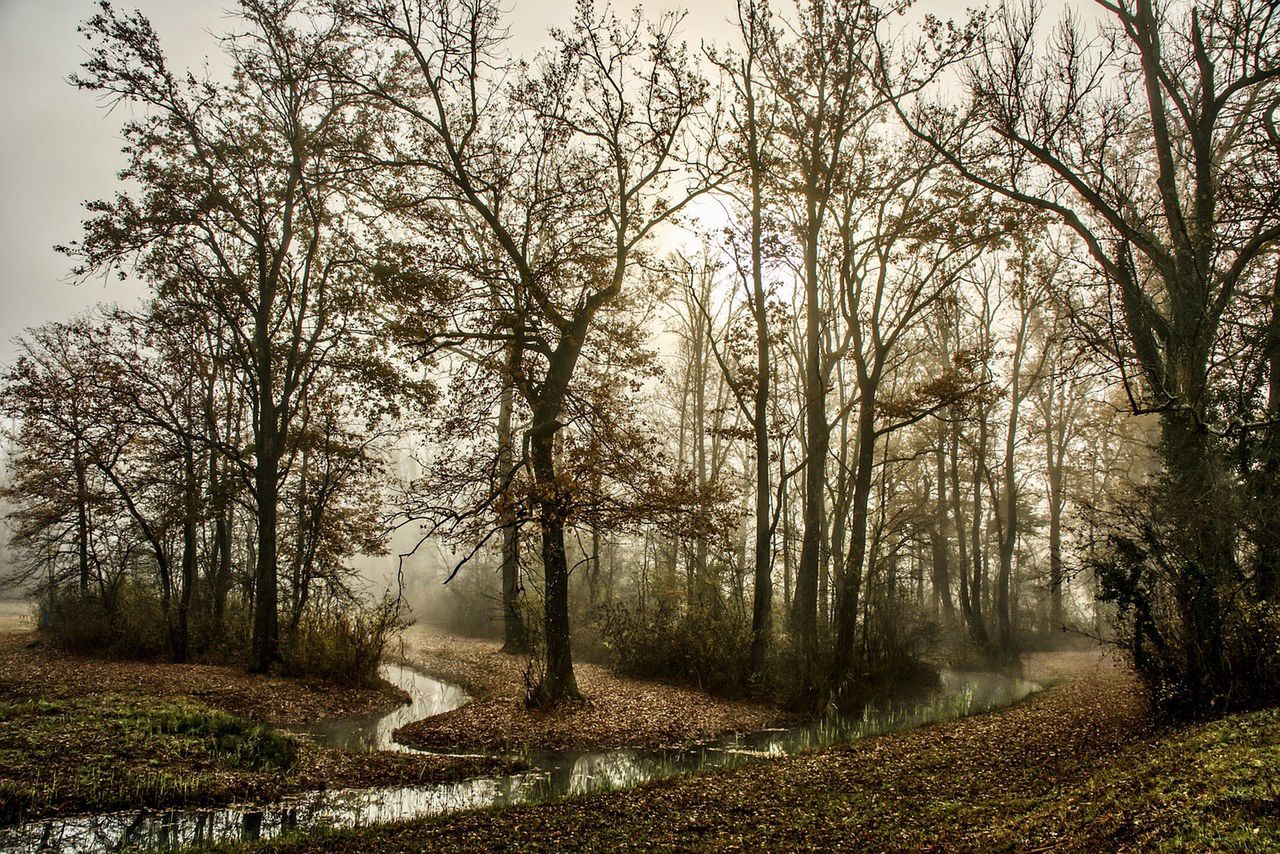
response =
{"points": [[60, 147]]}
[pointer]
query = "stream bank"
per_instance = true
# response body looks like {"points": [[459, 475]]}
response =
{"points": [[619, 712], [1078, 767], [81, 735], [551, 775]]}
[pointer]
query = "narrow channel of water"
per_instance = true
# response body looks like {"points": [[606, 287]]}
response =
{"points": [[551, 774]]}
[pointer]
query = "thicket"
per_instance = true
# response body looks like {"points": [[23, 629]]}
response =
{"points": [[1197, 612], [342, 640], [705, 645]]}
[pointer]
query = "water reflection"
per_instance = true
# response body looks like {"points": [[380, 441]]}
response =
{"points": [[373, 732], [553, 774]]}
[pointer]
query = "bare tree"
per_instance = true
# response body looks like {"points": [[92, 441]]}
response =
{"points": [[237, 214], [567, 171]]}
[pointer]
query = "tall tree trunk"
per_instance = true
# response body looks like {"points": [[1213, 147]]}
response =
{"points": [[697, 568], [190, 544], [939, 551], [82, 517], [1053, 448], [558, 682], [978, 590], [1268, 559], [1196, 496], [843, 495], [514, 639], [1007, 529], [762, 604], [265, 646], [222, 537], [804, 607], [851, 583]]}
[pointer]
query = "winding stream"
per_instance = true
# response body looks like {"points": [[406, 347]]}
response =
{"points": [[551, 774]]}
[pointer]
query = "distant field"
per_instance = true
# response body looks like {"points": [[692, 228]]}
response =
{"points": [[16, 614]]}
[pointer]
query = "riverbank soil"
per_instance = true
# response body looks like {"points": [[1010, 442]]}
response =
{"points": [[1077, 767], [615, 712], [79, 734]]}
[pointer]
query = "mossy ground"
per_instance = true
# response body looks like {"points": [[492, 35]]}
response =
{"points": [[115, 752], [111, 751]]}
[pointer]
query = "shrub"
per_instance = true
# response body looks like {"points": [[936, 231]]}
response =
{"points": [[345, 644], [1200, 636], [704, 645], [129, 623], [344, 641]]}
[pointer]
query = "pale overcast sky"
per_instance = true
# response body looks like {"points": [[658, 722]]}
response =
{"points": [[59, 147]]}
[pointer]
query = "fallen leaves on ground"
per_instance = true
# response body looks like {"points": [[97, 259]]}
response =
{"points": [[615, 711], [46, 671], [71, 741], [966, 785]]}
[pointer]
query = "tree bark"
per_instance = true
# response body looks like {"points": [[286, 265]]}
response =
{"points": [[804, 607], [558, 682], [264, 649], [82, 516], [850, 587], [1268, 560], [514, 639], [939, 551], [190, 545]]}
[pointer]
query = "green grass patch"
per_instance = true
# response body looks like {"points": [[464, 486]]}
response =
{"points": [[112, 752], [1210, 786], [239, 743]]}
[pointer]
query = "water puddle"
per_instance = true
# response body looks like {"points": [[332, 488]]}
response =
{"points": [[551, 774]]}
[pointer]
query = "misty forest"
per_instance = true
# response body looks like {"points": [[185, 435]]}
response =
{"points": [[854, 427]]}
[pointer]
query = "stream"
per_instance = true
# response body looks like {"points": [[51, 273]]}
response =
{"points": [[551, 773]]}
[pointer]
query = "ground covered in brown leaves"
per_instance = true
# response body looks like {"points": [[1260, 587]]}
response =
{"points": [[1078, 767], [44, 671], [615, 711]]}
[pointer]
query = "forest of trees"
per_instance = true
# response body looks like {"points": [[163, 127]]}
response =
{"points": [[779, 364]]}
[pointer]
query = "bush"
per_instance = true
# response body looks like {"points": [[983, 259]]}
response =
{"points": [[342, 641], [129, 624], [344, 644], [704, 645], [1200, 636]]}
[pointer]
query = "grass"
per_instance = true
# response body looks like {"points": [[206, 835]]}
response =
{"points": [[84, 735], [1211, 786], [242, 745], [112, 751], [1081, 767]]}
